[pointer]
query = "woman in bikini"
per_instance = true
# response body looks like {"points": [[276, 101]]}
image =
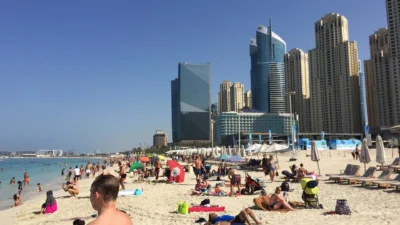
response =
{"points": [[72, 189], [278, 201]]}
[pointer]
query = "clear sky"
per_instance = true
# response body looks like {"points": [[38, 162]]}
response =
{"points": [[96, 74]]}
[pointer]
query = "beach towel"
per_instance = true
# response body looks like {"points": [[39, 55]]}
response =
{"points": [[213, 208], [136, 192]]}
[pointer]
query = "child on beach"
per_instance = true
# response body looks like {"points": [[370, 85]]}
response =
{"points": [[197, 188], [19, 187], [39, 188], [17, 201]]}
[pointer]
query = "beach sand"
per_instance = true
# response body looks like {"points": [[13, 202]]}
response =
{"points": [[159, 202]]}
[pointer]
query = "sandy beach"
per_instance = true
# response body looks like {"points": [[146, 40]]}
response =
{"points": [[158, 203]]}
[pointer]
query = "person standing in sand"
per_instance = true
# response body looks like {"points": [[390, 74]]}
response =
{"points": [[77, 173], [197, 167], [94, 169], [87, 171], [62, 171], [105, 171], [122, 174], [26, 178], [103, 197], [235, 178], [69, 174], [157, 166]]}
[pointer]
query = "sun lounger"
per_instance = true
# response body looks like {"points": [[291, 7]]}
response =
{"points": [[383, 176], [386, 183], [395, 184], [396, 168], [395, 162], [352, 179], [354, 171], [342, 172]]}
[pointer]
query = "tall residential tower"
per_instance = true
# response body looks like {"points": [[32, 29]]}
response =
{"points": [[296, 80], [267, 71], [334, 81], [230, 97]]}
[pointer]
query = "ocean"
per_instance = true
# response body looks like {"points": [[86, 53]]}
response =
{"points": [[46, 171]]}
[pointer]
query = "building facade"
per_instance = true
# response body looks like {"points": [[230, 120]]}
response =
{"points": [[297, 81], [393, 20], [267, 71], [230, 97], [160, 139], [190, 103], [377, 80], [334, 78], [247, 99], [227, 123]]}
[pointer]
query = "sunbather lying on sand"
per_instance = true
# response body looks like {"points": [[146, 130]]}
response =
{"points": [[243, 217]]}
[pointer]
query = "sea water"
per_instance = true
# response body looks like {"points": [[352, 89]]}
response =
{"points": [[46, 171]]}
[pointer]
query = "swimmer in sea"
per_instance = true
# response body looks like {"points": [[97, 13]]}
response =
{"points": [[26, 178]]}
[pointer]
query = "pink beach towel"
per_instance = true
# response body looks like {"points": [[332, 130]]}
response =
{"points": [[199, 208]]}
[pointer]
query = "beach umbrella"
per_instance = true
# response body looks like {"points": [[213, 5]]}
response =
{"points": [[380, 151], [161, 157], [365, 157], [135, 166], [144, 159], [223, 157], [315, 155], [177, 172], [235, 158]]}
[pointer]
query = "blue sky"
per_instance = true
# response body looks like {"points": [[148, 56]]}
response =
{"points": [[96, 74]]}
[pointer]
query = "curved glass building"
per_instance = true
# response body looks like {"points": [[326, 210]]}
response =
{"points": [[267, 71]]}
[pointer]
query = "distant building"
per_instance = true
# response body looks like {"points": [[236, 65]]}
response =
{"points": [[393, 19], [230, 97], [377, 81], [160, 139], [267, 71], [227, 124], [247, 99], [363, 98], [190, 103], [214, 111], [334, 78], [296, 80]]}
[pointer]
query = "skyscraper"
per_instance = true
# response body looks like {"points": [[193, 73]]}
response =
{"points": [[296, 80], [190, 103], [247, 99], [230, 97], [334, 82], [393, 19], [377, 80], [267, 71]]}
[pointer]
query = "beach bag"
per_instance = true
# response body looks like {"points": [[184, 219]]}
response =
{"points": [[285, 186], [342, 207], [205, 202]]}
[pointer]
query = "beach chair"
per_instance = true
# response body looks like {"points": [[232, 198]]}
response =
{"points": [[342, 172], [386, 183], [353, 179], [383, 176], [395, 184], [396, 162], [354, 171]]}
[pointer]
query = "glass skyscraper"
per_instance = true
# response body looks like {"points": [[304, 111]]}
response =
{"points": [[190, 103], [267, 71]]}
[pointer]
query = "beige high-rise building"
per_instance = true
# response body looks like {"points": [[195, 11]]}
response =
{"points": [[377, 74], [230, 97], [334, 78], [247, 99], [296, 78], [393, 19], [224, 97]]}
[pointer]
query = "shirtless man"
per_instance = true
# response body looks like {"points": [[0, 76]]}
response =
{"points": [[279, 201], [157, 166], [235, 178], [72, 189], [105, 171], [197, 167], [103, 196], [122, 174]]}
